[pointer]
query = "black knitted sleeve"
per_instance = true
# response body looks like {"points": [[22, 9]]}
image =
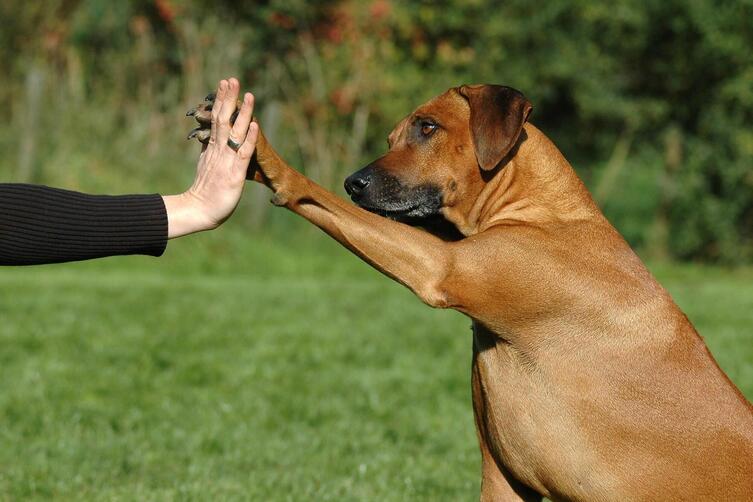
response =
{"points": [[39, 224]]}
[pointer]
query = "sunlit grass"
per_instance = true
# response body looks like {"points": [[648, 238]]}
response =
{"points": [[267, 372]]}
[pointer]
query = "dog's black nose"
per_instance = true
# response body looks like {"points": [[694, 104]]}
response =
{"points": [[356, 183]]}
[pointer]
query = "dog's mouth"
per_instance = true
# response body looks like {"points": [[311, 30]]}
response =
{"points": [[427, 217], [411, 205], [398, 212]]}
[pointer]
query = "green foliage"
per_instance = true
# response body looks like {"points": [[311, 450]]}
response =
{"points": [[258, 368], [104, 84]]}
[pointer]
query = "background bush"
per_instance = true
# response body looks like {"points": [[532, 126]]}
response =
{"points": [[652, 102]]}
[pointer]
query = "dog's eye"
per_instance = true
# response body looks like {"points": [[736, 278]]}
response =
{"points": [[428, 128]]}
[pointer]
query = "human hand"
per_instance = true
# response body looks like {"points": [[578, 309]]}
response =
{"points": [[267, 167], [221, 170]]}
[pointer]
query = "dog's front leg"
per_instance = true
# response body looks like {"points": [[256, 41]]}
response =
{"points": [[417, 259], [413, 257]]}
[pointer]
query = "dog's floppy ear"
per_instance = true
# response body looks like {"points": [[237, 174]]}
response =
{"points": [[498, 113]]}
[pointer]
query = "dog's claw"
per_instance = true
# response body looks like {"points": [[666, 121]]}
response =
{"points": [[202, 114], [200, 133]]}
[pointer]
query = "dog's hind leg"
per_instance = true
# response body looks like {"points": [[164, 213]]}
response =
{"points": [[496, 487]]}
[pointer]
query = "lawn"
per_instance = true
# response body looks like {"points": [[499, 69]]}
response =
{"points": [[259, 368]]}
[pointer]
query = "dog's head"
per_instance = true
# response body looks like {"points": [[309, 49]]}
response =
{"points": [[442, 153]]}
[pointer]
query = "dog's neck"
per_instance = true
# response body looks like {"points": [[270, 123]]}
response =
{"points": [[536, 185]]}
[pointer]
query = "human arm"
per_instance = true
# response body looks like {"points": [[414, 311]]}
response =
{"points": [[40, 224]]}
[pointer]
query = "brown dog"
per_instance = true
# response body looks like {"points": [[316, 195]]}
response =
{"points": [[588, 381]]}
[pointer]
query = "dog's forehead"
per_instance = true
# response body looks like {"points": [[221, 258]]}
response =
{"points": [[447, 105]]}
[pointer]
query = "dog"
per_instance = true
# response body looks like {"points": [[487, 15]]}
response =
{"points": [[588, 382]]}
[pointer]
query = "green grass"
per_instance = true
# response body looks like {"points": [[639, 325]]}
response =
{"points": [[239, 368]]}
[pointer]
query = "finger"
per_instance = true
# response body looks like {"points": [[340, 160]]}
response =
{"points": [[249, 145], [221, 90], [229, 103], [240, 127]]}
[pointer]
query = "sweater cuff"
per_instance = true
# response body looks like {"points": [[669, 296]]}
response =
{"points": [[148, 213]]}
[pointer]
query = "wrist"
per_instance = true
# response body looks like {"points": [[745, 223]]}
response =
{"points": [[185, 215]]}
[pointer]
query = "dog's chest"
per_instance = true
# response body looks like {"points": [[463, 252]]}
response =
{"points": [[523, 423]]}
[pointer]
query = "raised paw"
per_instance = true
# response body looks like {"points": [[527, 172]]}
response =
{"points": [[203, 115]]}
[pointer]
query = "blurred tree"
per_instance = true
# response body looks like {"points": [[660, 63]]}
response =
{"points": [[610, 83]]}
